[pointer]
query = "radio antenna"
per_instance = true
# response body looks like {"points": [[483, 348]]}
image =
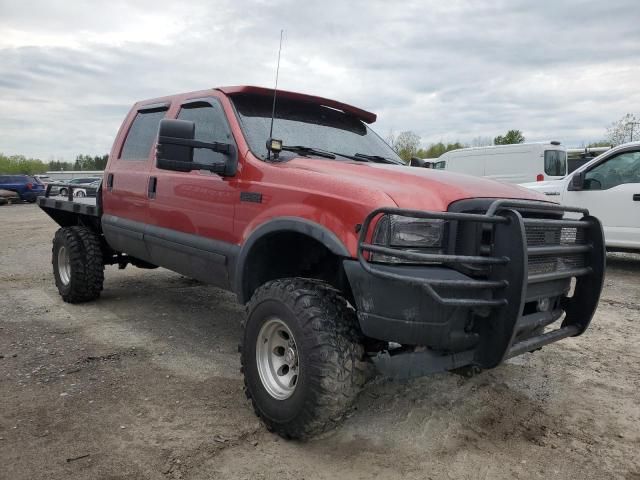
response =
{"points": [[273, 108]]}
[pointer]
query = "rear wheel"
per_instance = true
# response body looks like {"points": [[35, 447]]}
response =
{"points": [[63, 192], [77, 264], [302, 356]]}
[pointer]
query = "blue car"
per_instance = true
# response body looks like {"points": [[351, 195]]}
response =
{"points": [[27, 187]]}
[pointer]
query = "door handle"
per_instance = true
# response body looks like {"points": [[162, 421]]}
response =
{"points": [[153, 184], [636, 197], [110, 182]]}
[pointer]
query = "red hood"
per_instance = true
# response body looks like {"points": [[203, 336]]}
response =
{"points": [[413, 187]]}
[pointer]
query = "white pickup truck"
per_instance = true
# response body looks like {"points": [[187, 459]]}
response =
{"points": [[609, 186]]}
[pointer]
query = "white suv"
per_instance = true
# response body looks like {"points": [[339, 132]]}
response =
{"points": [[609, 186]]}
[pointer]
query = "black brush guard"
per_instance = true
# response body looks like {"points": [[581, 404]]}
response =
{"points": [[506, 331]]}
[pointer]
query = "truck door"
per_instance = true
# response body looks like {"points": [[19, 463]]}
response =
{"points": [[190, 227], [125, 201], [612, 193]]}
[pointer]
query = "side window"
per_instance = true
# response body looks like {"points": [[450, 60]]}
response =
{"points": [[555, 163], [623, 168], [142, 134], [211, 126]]}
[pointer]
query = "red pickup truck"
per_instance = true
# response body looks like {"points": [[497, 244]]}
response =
{"points": [[349, 262]]}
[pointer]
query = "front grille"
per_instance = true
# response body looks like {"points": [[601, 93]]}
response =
{"points": [[476, 239], [544, 264], [538, 236]]}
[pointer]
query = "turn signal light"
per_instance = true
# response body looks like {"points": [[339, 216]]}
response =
{"points": [[540, 178]]}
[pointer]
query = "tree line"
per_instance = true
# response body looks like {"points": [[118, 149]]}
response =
{"points": [[407, 144], [19, 164]]}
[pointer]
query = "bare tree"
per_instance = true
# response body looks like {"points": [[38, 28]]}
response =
{"points": [[406, 144], [623, 130], [481, 142]]}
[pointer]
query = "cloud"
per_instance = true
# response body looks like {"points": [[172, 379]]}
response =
{"points": [[454, 70]]}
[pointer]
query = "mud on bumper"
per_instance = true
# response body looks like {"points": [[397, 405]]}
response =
{"points": [[480, 309]]}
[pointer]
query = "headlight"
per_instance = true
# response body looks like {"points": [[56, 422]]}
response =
{"points": [[408, 233]]}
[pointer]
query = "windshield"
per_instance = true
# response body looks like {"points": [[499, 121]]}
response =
{"points": [[555, 163], [306, 124]]}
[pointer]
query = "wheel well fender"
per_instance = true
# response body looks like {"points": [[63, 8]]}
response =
{"points": [[282, 225]]}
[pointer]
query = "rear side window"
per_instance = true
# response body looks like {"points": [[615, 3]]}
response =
{"points": [[142, 134], [555, 163], [211, 126]]}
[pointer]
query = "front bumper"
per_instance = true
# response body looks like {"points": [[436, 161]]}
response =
{"points": [[490, 317]]}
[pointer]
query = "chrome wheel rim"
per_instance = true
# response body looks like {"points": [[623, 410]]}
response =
{"points": [[277, 359], [64, 267], [80, 194]]}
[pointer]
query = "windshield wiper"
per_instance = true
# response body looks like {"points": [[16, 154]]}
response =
{"points": [[361, 157], [302, 150], [375, 158]]}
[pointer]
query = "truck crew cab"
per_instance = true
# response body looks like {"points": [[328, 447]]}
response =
{"points": [[348, 261]]}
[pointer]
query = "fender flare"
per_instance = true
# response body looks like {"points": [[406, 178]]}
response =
{"points": [[283, 224]]}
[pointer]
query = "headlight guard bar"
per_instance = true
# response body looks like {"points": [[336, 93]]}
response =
{"points": [[496, 214]]}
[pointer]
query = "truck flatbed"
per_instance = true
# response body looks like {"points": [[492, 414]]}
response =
{"points": [[70, 210], [83, 206]]}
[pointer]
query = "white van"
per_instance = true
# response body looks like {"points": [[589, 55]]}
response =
{"points": [[609, 186], [518, 163]]}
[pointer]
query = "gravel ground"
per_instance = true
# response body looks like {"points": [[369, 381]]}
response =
{"points": [[145, 383]]}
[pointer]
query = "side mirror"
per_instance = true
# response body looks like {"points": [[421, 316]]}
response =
{"points": [[419, 162], [174, 150], [577, 182]]}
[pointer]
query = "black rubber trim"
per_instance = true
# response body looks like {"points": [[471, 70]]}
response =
{"points": [[283, 224], [205, 259], [129, 228], [208, 248], [160, 106]]}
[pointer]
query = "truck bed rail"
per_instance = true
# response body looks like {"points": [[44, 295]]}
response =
{"points": [[70, 210]]}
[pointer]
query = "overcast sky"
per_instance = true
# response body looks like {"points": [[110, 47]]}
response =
{"points": [[448, 70]]}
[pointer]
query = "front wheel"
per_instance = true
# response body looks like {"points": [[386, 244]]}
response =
{"points": [[302, 356], [77, 264], [80, 194]]}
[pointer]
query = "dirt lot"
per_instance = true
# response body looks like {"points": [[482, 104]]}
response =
{"points": [[145, 383]]}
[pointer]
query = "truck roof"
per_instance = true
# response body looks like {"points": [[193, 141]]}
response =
{"points": [[552, 143], [359, 113]]}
